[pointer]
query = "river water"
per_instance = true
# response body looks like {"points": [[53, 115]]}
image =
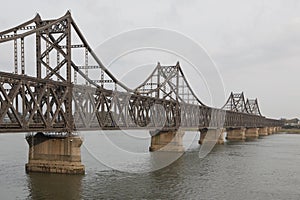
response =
{"points": [[268, 168]]}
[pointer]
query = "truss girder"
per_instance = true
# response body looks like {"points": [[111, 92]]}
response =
{"points": [[52, 101]]}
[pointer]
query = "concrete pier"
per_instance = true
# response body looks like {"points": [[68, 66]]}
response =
{"points": [[270, 130], [263, 131], [251, 133], [277, 129], [212, 135], [236, 134], [54, 154], [167, 141]]}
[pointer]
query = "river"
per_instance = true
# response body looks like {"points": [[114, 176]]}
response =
{"points": [[267, 168]]}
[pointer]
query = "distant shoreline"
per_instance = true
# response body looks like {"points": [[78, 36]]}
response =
{"points": [[291, 130]]}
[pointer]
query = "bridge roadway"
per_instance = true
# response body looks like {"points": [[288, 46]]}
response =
{"points": [[53, 102], [43, 109]]}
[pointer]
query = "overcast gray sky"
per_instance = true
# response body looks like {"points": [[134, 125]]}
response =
{"points": [[255, 44]]}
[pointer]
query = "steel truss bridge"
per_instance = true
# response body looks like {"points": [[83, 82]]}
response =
{"points": [[48, 96]]}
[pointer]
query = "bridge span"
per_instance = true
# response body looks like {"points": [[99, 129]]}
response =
{"points": [[60, 93]]}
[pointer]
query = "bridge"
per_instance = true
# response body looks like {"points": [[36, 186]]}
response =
{"points": [[66, 89]]}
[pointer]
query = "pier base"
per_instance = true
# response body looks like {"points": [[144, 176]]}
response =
{"points": [[270, 130], [237, 134], [251, 133], [212, 135], [276, 129], [170, 141], [54, 154], [263, 131]]}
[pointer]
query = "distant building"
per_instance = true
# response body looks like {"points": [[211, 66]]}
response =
{"points": [[291, 122]]}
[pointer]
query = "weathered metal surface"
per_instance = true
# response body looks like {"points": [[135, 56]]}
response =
{"points": [[49, 101]]}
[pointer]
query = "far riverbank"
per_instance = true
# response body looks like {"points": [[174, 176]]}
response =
{"points": [[290, 130]]}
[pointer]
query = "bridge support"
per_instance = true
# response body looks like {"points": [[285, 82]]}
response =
{"points": [[54, 154], [263, 131], [270, 130], [212, 135], [251, 133], [277, 129], [167, 141], [236, 134]]}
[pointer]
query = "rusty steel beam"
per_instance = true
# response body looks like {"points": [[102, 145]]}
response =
{"points": [[51, 102]]}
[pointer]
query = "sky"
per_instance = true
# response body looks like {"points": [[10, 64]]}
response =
{"points": [[253, 46]]}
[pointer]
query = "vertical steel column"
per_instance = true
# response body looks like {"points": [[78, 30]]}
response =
{"points": [[58, 62], [70, 122], [151, 83], [38, 55], [68, 53], [58, 79], [48, 109], [102, 105], [23, 72], [177, 81], [177, 116], [16, 66], [47, 55], [38, 48], [23, 98], [158, 80], [161, 71], [102, 78], [115, 100], [183, 89], [86, 63], [22, 57], [75, 77], [16, 54]]}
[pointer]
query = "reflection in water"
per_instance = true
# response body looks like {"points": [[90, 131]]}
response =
{"points": [[48, 186], [162, 184], [122, 152], [167, 179], [161, 159]]}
